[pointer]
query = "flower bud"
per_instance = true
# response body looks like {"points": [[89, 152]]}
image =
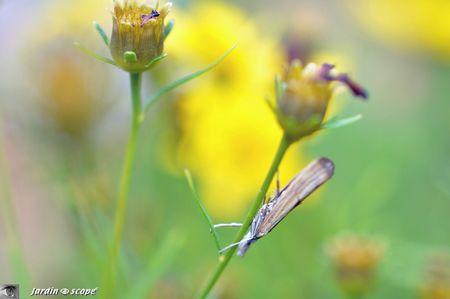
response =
{"points": [[355, 259], [305, 94], [436, 284], [138, 34]]}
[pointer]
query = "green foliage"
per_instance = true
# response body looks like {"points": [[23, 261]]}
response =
{"points": [[336, 122], [202, 208], [102, 33], [94, 55], [171, 86]]}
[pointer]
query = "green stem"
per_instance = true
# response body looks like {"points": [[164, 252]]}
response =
{"points": [[223, 262], [10, 221], [109, 276], [202, 208]]}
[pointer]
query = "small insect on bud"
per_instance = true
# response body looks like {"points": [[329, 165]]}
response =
{"points": [[355, 259], [138, 34], [304, 94]]}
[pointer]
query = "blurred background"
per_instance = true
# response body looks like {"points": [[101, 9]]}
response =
{"points": [[380, 228]]}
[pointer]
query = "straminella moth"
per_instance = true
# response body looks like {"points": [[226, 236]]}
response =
{"points": [[273, 212]]}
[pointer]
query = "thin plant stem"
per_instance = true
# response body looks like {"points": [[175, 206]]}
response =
{"points": [[202, 208], [223, 262], [8, 214], [109, 275]]}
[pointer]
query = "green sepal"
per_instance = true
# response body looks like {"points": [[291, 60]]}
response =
{"points": [[168, 28], [155, 60], [294, 130], [94, 55], [280, 87], [271, 104], [339, 123], [130, 57], [102, 33]]}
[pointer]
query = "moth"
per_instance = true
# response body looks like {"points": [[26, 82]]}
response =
{"points": [[283, 202]]}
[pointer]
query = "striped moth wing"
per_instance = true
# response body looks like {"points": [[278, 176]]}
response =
{"points": [[301, 186]]}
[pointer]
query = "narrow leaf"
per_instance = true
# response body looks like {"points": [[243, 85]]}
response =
{"points": [[271, 104], [157, 266], [338, 123], [156, 60], [185, 79], [202, 208], [279, 87], [168, 28], [94, 55], [102, 33]]}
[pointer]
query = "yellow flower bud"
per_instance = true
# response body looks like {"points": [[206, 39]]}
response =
{"points": [[355, 259], [138, 34], [436, 284], [305, 94]]}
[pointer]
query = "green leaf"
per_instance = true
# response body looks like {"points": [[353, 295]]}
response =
{"points": [[155, 60], [279, 87], [202, 208], [171, 86], [94, 55], [168, 28], [102, 33], [271, 105], [157, 266], [130, 57], [338, 123]]}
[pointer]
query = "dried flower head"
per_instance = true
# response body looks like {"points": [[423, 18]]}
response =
{"points": [[437, 281], [138, 33], [355, 259], [305, 94]]}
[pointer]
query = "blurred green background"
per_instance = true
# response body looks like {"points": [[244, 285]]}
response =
{"points": [[64, 119]]}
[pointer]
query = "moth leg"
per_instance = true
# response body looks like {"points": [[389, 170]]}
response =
{"points": [[235, 244], [228, 247], [233, 224]]}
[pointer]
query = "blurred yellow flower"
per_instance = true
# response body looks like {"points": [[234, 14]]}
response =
{"points": [[355, 259], [71, 86], [413, 24], [436, 284], [229, 135], [72, 18]]}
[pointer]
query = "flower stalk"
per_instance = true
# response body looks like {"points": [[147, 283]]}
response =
{"points": [[124, 185], [302, 100], [136, 45], [283, 146]]}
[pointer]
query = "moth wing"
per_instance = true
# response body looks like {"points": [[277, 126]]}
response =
{"points": [[301, 186]]}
